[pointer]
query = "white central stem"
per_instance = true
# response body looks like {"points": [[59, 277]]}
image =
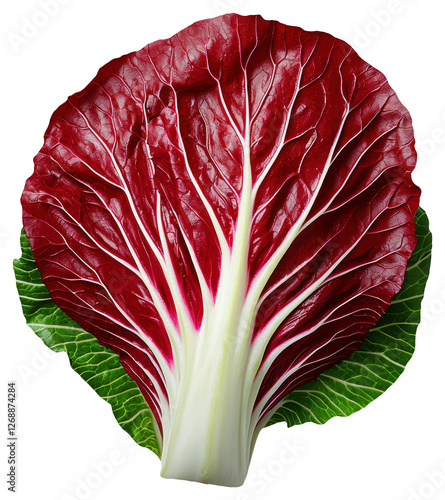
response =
{"points": [[208, 440], [208, 437]]}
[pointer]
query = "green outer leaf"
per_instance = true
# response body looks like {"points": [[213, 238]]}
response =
{"points": [[96, 364], [352, 384], [340, 391]]}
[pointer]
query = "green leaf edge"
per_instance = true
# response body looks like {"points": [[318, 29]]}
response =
{"points": [[355, 382], [99, 366], [342, 390]]}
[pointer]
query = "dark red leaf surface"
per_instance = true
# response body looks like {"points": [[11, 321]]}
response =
{"points": [[152, 179]]}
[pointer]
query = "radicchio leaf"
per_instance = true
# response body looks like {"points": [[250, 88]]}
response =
{"points": [[230, 211]]}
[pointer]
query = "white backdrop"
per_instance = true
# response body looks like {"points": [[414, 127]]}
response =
{"points": [[70, 446]]}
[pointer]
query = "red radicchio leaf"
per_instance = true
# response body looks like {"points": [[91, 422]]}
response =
{"points": [[230, 210]]}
